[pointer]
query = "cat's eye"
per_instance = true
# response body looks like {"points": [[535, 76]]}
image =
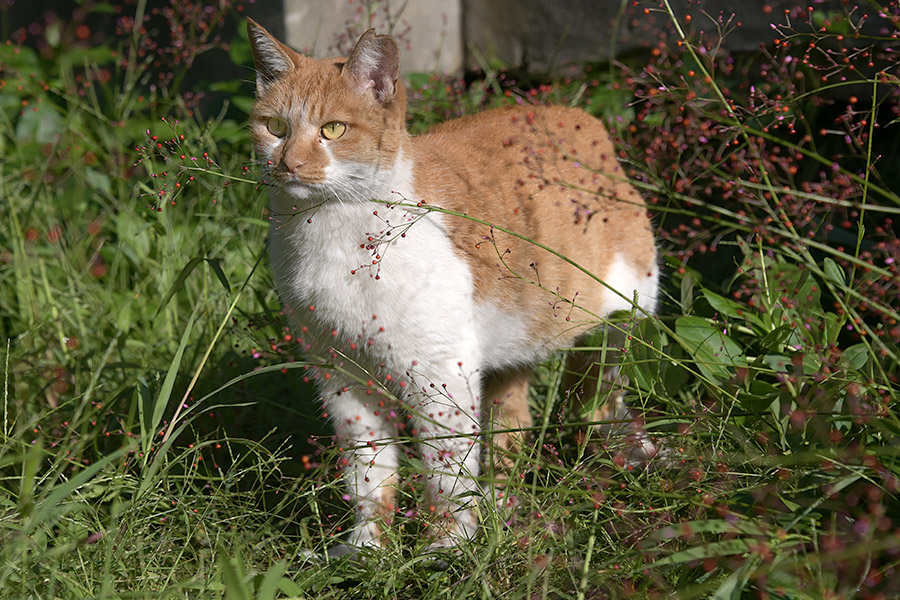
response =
{"points": [[333, 130], [277, 127]]}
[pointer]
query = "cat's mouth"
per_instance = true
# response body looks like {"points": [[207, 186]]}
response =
{"points": [[297, 189]]}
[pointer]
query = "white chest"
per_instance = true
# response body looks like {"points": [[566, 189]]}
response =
{"points": [[390, 280]]}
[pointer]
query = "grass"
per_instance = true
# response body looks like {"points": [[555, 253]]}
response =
{"points": [[160, 438]]}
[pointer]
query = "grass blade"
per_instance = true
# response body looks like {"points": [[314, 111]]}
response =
{"points": [[165, 392]]}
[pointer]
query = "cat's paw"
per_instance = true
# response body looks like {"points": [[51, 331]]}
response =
{"points": [[637, 450], [441, 552], [342, 550], [355, 553], [504, 500], [453, 529]]}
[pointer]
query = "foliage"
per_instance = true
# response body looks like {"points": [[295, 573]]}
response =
{"points": [[159, 434]]}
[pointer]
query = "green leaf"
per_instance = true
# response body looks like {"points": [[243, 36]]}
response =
{"points": [[855, 357], [54, 500], [40, 123], [734, 584], [240, 52], [53, 33], [713, 550], [831, 21], [98, 180], [709, 526], [811, 364], [270, 582], [30, 467], [185, 273], [123, 317], [760, 396], [290, 588], [730, 308], [178, 283], [643, 364], [217, 269], [777, 362], [714, 352], [833, 325], [235, 588], [144, 402], [791, 505], [834, 272], [775, 338], [19, 58], [687, 294], [244, 103], [103, 7], [674, 377], [78, 57], [232, 86]]}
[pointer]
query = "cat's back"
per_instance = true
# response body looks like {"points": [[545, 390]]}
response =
{"points": [[549, 174], [524, 120], [516, 155], [515, 132]]}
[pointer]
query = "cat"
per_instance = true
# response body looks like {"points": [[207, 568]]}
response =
{"points": [[431, 266]]}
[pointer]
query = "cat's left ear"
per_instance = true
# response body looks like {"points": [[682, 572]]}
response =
{"points": [[374, 64], [273, 59]]}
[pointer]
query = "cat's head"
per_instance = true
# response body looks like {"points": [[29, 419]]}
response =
{"points": [[327, 128]]}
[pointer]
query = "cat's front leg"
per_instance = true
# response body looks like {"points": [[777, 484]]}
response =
{"points": [[365, 431], [445, 413]]}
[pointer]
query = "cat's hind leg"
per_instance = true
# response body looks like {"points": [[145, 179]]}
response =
{"points": [[596, 392], [505, 408]]}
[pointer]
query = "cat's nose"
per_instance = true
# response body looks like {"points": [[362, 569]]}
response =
{"points": [[293, 164], [294, 158]]}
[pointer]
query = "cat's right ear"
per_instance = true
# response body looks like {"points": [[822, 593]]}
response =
{"points": [[374, 65], [272, 58]]}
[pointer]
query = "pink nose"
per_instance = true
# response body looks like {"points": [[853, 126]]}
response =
{"points": [[295, 158]]}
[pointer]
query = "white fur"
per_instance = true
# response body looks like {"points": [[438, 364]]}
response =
{"points": [[503, 335], [623, 277], [407, 302]]}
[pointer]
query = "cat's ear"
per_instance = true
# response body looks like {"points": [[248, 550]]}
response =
{"points": [[374, 65], [273, 59]]}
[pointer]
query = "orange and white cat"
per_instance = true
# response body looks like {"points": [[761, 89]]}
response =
{"points": [[447, 312]]}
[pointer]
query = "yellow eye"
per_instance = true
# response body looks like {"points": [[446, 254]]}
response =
{"points": [[333, 130], [277, 127]]}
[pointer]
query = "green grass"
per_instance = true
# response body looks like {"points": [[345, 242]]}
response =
{"points": [[159, 441]]}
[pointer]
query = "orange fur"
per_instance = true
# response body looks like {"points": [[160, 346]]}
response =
{"points": [[551, 177]]}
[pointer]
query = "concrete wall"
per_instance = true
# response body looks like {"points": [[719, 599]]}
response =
{"points": [[429, 31], [541, 35], [538, 35]]}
